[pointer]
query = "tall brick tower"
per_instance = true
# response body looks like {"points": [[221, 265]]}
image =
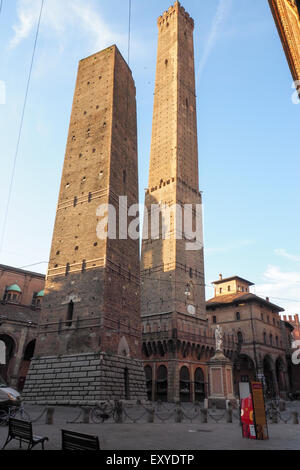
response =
{"points": [[167, 266], [89, 334], [173, 291]]}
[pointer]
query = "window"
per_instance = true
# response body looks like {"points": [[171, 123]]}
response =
{"points": [[67, 269], [220, 290], [229, 288], [240, 337], [70, 314], [265, 338], [214, 319], [238, 316]]}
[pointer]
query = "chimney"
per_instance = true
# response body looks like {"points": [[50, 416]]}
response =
{"points": [[268, 299], [221, 277]]}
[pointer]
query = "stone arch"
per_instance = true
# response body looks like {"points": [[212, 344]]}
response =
{"points": [[123, 348], [243, 370], [280, 368], [10, 349], [149, 381], [162, 383], [27, 357], [269, 374], [185, 385], [199, 386]]}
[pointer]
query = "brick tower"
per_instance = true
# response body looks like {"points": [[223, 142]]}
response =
{"points": [[172, 275], [89, 333]]}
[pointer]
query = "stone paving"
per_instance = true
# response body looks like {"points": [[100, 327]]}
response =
{"points": [[166, 435]]}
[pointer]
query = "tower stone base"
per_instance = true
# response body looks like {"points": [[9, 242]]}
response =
{"points": [[84, 379]]}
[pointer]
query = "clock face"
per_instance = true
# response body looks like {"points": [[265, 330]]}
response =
{"points": [[191, 310]]}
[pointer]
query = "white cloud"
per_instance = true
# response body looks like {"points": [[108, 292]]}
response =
{"points": [[287, 255], [222, 13], [81, 17], [283, 288]]}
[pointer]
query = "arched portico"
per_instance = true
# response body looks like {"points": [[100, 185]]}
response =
{"points": [[10, 347]]}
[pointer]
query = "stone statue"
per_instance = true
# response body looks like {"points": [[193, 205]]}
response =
{"points": [[219, 338]]}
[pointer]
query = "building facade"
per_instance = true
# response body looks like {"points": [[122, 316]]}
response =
{"points": [[21, 294], [287, 18], [89, 341], [294, 342], [256, 325]]}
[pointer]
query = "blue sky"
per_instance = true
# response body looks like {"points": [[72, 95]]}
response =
{"points": [[248, 128]]}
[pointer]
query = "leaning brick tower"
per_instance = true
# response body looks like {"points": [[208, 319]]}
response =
{"points": [[168, 267], [89, 339], [175, 333]]}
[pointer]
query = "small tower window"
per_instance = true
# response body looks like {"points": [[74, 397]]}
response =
{"points": [[70, 314], [67, 269]]}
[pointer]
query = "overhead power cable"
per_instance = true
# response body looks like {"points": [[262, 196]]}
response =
{"points": [[129, 31], [20, 129]]}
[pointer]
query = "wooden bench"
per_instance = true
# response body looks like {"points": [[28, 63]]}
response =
{"points": [[76, 441], [22, 431]]}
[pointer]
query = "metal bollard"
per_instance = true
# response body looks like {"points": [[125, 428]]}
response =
{"points": [[229, 415], [86, 415], [282, 406], [50, 416], [119, 412], [178, 415], [151, 414], [295, 417], [203, 416], [274, 417]]}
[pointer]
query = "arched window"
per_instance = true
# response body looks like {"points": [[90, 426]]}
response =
{"points": [[162, 384], [238, 316], [199, 385], [29, 351], [265, 338], [148, 373], [185, 385]]}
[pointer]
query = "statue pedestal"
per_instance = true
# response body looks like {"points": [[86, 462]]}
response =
{"points": [[220, 382]]}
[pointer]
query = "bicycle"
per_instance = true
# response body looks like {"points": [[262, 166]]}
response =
{"points": [[100, 414], [17, 412]]}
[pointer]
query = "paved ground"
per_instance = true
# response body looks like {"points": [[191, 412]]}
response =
{"points": [[160, 436]]}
